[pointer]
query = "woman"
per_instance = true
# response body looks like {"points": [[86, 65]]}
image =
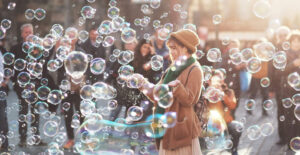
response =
{"points": [[185, 81]]}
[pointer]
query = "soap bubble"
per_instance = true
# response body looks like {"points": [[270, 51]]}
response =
{"points": [[253, 65], [97, 66], [2, 32], [112, 104], [6, 24], [254, 132], [280, 60], [29, 14], [268, 104], [105, 27], [36, 52], [135, 81], [8, 58], [287, 102], [125, 71], [83, 35], [11, 6], [112, 3], [265, 82], [247, 54], [155, 4], [183, 14], [225, 41], [50, 128], [43, 92], [163, 33], [71, 33], [39, 14], [199, 54], [214, 55], [295, 144], [117, 22], [87, 107], [266, 129], [66, 106], [191, 27], [264, 51], [128, 35], [293, 79], [156, 24], [55, 97], [207, 72], [41, 107], [262, 9], [217, 19], [76, 64], [286, 45], [135, 113], [160, 90], [250, 104], [23, 78], [156, 62], [169, 119], [113, 12], [88, 12], [86, 92], [213, 94], [108, 41], [297, 111], [296, 98], [166, 101], [177, 7], [92, 123]]}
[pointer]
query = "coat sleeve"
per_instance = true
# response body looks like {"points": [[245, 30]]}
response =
{"points": [[187, 94]]}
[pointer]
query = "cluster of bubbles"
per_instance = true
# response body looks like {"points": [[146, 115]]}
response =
{"points": [[39, 14]]}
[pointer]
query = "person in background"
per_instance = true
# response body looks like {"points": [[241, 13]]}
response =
{"points": [[281, 36], [26, 31], [225, 107], [3, 105], [161, 49], [290, 122]]}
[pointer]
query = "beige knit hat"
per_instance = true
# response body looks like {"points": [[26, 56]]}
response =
{"points": [[188, 38]]}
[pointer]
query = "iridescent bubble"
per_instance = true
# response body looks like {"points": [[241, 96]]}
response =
{"points": [[225, 41], [156, 62], [125, 71], [8, 58], [125, 57], [41, 107], [286, 45], [199, 54], [253, 65], [23, 78], [268, 105], [207, 72], [166, 101], [156, 24], [43, 92], [71, 33], [57, 30], [163, 33], [265, 82], [112, 3], [92, 123], [213, 94], [48, 43], [296, 98], [66, 106], [105, 27], [104, 91], [87, 107], [266, 129], [55, 97], [254, 132], [160, 90], [6, 24], [191, 27], [65, 85], [183, 14], [86, 92], [83, 35], [135, 81], [217, 19], [295, 144], [169, 119], [137, 22], [11, 6], [26, 46], [39, 14], [155, 4], [112, 104], [31, 97], [108, 41], [169, 26], [97, 66], [117, 23], [128, 35], [177, 7], [35, 69], [135, 113], [297, 111], [236, 58], [88, 12], [264, 51], [51, 66], [287, 102], [262, 9], [3, 95], [113, 12], [29, 14], [247, 54], [76, 64], [50, 128], [214, 55], [250, 104], [279, 60], [228, 144], [7, 73], [19, 64], [2, 32], [293, 79], [36, 52]]}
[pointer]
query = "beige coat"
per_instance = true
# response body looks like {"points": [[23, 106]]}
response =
{"points": [[185, 97]]}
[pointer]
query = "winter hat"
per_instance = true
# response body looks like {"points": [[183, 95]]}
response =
{"points": [[188, 38]]}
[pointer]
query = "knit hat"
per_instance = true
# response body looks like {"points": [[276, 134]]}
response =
{"points": [[188, 38]]}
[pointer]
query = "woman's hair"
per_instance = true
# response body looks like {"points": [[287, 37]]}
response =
{"points": [[138, 58], [178, 43]]}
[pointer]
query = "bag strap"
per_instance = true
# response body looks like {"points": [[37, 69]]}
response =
{"points": [[189, 74]]}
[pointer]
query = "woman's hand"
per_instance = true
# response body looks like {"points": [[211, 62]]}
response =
{"points": [[146, 66], [174, 83]]}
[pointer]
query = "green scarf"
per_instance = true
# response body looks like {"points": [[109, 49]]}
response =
{"points": [[172, 74]]}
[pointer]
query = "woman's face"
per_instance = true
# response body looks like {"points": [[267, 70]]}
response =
{"points": [[295, 44], [175, 50], [145, 49]]}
